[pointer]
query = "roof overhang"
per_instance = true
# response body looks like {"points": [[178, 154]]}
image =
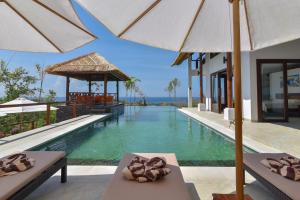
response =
{"points": [[181, 57]]}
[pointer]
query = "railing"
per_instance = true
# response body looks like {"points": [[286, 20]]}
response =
{"points": [[48, 108], [91, 98]]}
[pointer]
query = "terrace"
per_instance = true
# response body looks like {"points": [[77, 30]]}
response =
{"points": [[89, 181], [194, 154]]}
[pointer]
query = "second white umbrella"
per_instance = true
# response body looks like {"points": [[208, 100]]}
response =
{"points": [[41, 26]]}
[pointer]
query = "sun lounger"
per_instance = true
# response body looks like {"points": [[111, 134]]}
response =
{"points": [[170, 187], [278, 185], [20, 185]]}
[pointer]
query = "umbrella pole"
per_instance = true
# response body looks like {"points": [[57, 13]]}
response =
{"points": [[238, 101]]}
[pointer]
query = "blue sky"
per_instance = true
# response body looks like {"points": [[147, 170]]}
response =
{"points": [[151, 65]]}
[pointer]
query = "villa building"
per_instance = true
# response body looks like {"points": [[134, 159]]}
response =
{"points": [[270, 76]]}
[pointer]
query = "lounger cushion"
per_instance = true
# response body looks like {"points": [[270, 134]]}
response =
{"points": [[289, 187], [9, 185], [170, 187]]}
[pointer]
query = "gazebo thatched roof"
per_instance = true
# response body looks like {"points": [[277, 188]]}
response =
{"points": [[90, 67]]}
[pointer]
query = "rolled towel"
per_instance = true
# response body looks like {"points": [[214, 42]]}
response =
{"points": [[156, 162], [289, 172], [156, 174], [290, 161], [15, 163], [143, 170], [273, 164], [288, 167]]}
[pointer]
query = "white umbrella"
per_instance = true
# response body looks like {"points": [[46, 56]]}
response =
{"points": [[204, 26], [2, 114], [23, 109], [41, 26], [198, 25]]}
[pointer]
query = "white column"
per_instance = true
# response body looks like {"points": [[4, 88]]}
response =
{"points": [[190, 97]]}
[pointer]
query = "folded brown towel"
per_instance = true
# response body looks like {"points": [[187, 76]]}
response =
{"points": [[288, 167], [143, 170], [15, 163]]}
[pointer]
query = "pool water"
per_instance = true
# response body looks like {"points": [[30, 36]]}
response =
{"points": [[145, 129]]}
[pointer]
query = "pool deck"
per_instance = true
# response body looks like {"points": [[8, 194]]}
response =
{"points": [[89, 182], [260, 136], [29, 139]]}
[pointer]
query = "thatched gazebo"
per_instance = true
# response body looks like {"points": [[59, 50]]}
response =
{"points": [[90, 67]]}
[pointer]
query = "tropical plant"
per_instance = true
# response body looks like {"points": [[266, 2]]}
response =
{"points": [[172, 88], [41, 76], [51, 96], [176, 84], [169, 89], [97, 86], [17, 82], [130, 86]]}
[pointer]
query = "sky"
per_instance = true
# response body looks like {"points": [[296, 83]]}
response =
{"points": [[151, 65]]}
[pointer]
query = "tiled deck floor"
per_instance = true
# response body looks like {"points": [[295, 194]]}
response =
{"points": [[284, 137], [89, 183]]}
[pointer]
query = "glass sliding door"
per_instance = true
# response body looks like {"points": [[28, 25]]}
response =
{"points": [[278, 89], [272, 91], [223, 90], [293, 89], [214, 93], [218, 91]]}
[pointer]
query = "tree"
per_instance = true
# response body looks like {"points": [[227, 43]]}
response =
{"points": [[41, 76], [130, 85], [17, 82], [97, 86], [176, 84], [169, 89], [51, 96], [142, 95], [172, 88]]}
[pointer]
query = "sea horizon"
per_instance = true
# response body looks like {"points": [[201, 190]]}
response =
{"points": [[149, 99]]}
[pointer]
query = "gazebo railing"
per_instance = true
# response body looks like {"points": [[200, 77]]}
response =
{"points": [[92, 98]]}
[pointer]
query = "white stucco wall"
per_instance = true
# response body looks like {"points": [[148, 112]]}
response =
{"points": [[216, 64], [211, 66], [290, 50]]}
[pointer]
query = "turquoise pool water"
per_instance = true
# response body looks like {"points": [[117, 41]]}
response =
{"points": [[145, 129]]}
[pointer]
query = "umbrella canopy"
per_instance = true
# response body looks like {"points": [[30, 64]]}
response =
{"points": [[2, 114], [23, 109], [204, 26], [198, 25], [41, 26]]}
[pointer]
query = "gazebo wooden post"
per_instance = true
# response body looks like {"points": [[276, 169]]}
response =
{"points": [[67, 90], [105, 89], [117, 85], [90, 87], [48, 114], [201, 77], [229, 79], [238, 101]]}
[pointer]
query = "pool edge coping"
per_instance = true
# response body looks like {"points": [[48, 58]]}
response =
{"points": [[5, 148], [247, 142]]}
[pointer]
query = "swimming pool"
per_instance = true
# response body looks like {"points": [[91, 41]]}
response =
{"points": [[145, 129]]}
